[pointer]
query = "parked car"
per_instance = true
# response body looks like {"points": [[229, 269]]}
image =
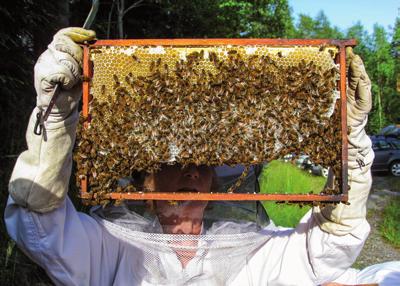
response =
{"points": [[387, 154], [391, 130], [304, 162]]}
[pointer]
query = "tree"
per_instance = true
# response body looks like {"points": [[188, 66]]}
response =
{"points": [[363, 48], [381, 70], [208, 19], [122, 8], [166, 19], [395, 45], [266, 18], [317, 28]]}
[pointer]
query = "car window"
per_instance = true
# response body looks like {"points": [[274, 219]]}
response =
{"points": [[375, 145], [395, 144], [383, 145]]}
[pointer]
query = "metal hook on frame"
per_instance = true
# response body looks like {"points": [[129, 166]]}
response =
{"points": [[40, 117]]}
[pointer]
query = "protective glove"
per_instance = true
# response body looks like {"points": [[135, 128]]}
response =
{"points": [[345, 218], [41, 175], [61, 64]]}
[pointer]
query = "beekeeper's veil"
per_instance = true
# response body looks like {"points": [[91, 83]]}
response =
{"points": [[230, 233]]}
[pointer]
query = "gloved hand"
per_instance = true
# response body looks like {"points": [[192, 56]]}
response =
{"points": [[61, 64], [41, 175], [343, 219]]}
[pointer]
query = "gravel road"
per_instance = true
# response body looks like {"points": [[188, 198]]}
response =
{"points": [[377, 249]]}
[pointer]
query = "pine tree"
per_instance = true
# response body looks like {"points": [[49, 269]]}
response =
{"points": [[381, 70]]}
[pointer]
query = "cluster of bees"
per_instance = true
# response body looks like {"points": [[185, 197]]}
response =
{"points": [[246, 110]]}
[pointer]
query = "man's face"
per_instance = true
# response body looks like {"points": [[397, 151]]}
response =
{"points": [[192, 178], [181, 217]]}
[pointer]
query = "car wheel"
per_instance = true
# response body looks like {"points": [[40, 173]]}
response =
{"points": [[395, 168]]}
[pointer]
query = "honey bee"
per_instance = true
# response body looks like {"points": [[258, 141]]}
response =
{"points": [[213, 57], [152, 65], [135, 58], [116, 85], [233, 110], [116, 81], [322, 48]]}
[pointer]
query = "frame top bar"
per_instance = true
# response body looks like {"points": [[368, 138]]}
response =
{"points": [[214, 42]]}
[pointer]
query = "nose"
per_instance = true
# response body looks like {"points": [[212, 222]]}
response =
{"points": [[191, 172]]}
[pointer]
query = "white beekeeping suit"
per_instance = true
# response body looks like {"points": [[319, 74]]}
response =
{"points": [[119, 247]]}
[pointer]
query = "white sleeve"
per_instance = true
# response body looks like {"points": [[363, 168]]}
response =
{"points": [[305, 255], [71, 246], [330, 255], [41, 174], [385, 274]]}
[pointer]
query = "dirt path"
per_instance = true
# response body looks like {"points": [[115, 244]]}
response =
{"points": [[377, 249]]}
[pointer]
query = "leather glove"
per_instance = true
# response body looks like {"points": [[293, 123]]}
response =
{"points": [[61, 64], [41, 175], [343, 219]]}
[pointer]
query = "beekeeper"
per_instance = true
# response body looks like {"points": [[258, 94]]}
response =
{"points": [[107, 249]]}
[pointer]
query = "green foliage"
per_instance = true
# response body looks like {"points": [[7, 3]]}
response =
{"points": [[281, 177], [265, 18], [173, 19], [393, 101], [285, 215], [381, 69], [363, 40], [390, 227], [381, 58], [203, 19], [317, 28]]}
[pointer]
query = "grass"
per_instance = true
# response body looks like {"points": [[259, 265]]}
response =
{"points": [[281, 177], [390, 227]]}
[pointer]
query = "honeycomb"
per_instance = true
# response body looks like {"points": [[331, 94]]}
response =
{"points": [[209, 105], [122, 60]]}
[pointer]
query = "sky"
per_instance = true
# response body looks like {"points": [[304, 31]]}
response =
{"points": [[345, 13]]}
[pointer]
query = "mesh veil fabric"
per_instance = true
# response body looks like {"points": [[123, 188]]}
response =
{"points": [[214, 257]]}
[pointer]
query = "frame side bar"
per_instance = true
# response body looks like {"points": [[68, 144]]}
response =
{"points": [[343, 102], [87, 75], [86, 83]]}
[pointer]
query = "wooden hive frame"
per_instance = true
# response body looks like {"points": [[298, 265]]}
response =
{"points": [[340, 59]]}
